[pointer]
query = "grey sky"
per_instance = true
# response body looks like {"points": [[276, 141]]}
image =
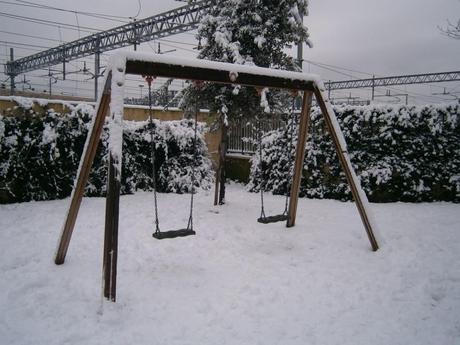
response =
{"points": [[372, 36], [384, 37]]}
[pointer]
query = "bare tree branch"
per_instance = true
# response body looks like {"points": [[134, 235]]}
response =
{"points": [[451, 30]]}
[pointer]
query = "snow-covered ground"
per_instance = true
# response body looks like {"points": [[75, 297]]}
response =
{"points": [[237, 281]]}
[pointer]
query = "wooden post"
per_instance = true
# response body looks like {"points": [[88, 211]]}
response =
{"points": [[218, 168], [217, 184], [219, 189], [109, 270], [111, 233], [346, 166], [223, 163], [88, 155], [299, 157]]}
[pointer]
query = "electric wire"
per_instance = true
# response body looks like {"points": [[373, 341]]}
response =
{"points": [[31, 36], [49, 22], [84, 13]]}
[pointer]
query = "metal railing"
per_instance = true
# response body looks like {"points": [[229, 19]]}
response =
{"points": [[243, 135]]}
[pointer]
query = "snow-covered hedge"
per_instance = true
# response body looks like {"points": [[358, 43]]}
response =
{"points": [[40, 153], [400, 153]]}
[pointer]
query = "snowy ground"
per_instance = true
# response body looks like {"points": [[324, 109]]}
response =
{"points": [[237, 281]]}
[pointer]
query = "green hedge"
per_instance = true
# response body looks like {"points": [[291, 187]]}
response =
{"points": [[400, 153], [40, 153]]}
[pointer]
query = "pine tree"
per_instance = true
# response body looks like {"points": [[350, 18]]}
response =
{"points": [[250, 32]]}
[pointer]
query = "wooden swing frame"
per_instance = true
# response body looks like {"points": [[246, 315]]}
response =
{"points": [[205, 71]]}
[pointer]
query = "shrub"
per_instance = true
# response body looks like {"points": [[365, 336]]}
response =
{"points": [[40, 153], [400, 153]]}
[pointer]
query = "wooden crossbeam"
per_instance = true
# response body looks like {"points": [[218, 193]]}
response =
{"points": [[214, 75]]}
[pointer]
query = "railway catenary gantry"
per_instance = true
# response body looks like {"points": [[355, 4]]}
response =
{"points": [[168, 23]]}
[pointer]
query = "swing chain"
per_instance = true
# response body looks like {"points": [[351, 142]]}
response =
{"points": [[291, 144], [198, 85], [149, 80], [262, 179]]}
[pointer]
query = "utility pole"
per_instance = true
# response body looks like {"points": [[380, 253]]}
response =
{"points": [[140, 87], [159, 51], [135, 34], [373, 86], [389, 94], [300, 54], [63, 64], [448, 93], [97, 67], [12, 75], [49, 74]]}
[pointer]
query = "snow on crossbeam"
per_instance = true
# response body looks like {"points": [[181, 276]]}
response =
{"points": [[219, 72]]}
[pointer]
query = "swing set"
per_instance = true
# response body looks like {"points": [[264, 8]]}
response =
{"points": [[198, 71]]}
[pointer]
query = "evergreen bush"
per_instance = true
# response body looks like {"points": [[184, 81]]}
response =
{"points": [[40, 154], [400, 153]]}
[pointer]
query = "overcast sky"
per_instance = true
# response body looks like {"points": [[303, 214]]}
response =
{"points": [[355, 38]]}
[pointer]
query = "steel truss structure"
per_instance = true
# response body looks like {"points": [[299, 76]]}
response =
{"points": [[169, 23], [395, 80], [172, 22]]}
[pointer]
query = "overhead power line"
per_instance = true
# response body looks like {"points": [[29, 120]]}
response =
{"points": [[83, 13], [31, 36], [49, 22], [24, 44]]}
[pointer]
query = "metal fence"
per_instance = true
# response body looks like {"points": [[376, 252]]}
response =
{"points": [[243, 135]]}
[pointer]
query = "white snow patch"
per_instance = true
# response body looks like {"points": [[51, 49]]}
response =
{"points": [[236, 281], [263, 100], [260, 40], [118, 64], [49, 135]]}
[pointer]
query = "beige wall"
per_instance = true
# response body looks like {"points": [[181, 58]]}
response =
{"points": [[32, 94], [132, 113], [9, 108]]}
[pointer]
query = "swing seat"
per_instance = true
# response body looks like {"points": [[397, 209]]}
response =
{"points": [[173, 233], [273, 219]]}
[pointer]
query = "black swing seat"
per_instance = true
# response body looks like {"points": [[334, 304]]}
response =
{"points": [[173, 234], [273, 219]]}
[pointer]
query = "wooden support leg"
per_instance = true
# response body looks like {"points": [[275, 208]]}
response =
{"points": [[86, 162], [113, 186], [223, 158], [341, 149], [299, 157], [216, 185], [111, 234], [219, 190]]}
